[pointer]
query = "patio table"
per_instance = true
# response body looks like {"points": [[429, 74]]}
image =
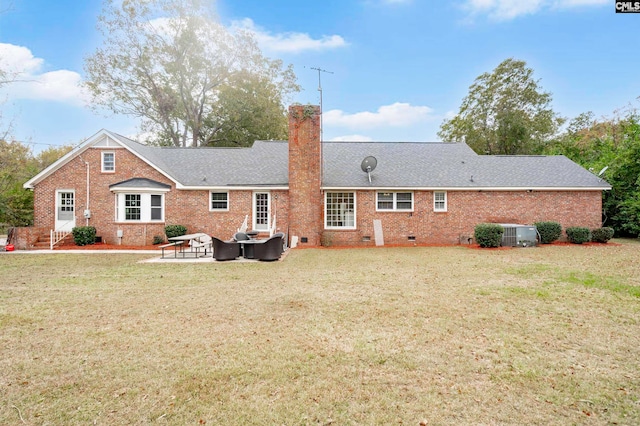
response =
{"points": [[247, 247], [190, 238]]}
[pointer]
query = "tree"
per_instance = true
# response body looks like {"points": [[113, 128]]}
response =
{"points": [[16, 166], [50, 155], [505, 112], [191, 81], [622, 203], [613, 143]]}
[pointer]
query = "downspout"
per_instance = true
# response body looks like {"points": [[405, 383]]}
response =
{"points": [[86, 163], [88, 210]]}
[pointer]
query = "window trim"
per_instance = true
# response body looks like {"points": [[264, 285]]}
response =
{"points": [[394, 201], [211, 209], [152, 207], [445, 201], [355, 211], [102, 163], [145, 207]]}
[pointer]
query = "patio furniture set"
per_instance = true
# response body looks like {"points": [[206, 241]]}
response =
{"points": [[243, 244]]}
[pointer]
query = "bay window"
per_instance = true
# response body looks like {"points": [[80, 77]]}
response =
{"points": [[139, 207]]}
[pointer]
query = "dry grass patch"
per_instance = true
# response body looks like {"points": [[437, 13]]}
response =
{"points": [[369, 336]]}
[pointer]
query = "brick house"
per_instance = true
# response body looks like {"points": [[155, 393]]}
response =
{"points": [[419, 193]]}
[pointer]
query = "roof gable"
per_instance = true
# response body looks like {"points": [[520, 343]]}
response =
{"points": [[102, 139]]}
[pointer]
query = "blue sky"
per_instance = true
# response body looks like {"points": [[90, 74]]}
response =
{"points": [[399, 67]]}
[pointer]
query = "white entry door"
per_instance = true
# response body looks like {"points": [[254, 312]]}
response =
{"points": [[65, 210], [261, 211]]}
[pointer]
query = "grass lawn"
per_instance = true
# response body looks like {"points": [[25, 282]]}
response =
{"points": [[416, 335]]}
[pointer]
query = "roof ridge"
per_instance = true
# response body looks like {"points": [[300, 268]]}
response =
{"points": [[402, 142]]}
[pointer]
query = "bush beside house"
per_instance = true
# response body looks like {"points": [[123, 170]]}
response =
{"points": [[488, 234], [175, 230], [549, 231], [578, 234], [84, 235], [601, 235]]}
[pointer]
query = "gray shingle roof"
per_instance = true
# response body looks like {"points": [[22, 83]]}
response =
{"points": [[400, 165], [139, 183], [266, 163], [447, 165]]}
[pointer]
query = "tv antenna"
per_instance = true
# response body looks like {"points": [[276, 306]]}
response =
{"points": [[604, 169], [368, 165], [320, 71]]}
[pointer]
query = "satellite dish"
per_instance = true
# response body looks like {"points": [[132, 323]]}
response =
{"points": [[368, 165], [604, 169]]}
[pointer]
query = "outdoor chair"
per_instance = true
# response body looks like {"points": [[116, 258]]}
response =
{"points": [[225, 250], [270, 249], [205, 243], [240, 236]]}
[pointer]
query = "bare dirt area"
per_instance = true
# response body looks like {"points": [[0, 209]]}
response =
{"points": [[406, 335]]}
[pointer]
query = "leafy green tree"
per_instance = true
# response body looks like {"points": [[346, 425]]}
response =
{"points": [[191, 81], [50, 155], [622, 203], [16, 167], [505, 112], [248, 109], [613, 144]]}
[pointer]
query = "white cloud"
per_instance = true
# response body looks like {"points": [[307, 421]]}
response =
{"points": [[290, 42], [32, 83], [351, 138], [502, 10], [395, 115], [18, 59]]}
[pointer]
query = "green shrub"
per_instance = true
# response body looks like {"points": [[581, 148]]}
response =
{"points": [[601, 235], [578, 234], [549, 231], [84, 235], [175, 230], [158, 239], [488, 234]]}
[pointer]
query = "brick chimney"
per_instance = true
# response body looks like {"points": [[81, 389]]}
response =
{"points": [[305, 175]]}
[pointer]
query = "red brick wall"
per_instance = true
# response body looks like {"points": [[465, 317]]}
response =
{"points": [[465, 209], [306, 200], [188, 208], [25, 237], [300, 210]]}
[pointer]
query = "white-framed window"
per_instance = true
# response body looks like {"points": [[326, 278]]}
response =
{"points": [[219, 201], [139, 207], [440, 201], [156, 207], [340, 210], [394, 201], [132, 206], [108, 162]]}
